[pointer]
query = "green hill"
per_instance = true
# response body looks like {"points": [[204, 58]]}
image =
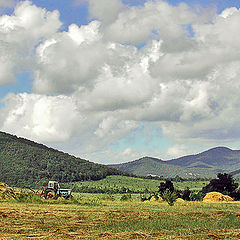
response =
{"points": [[26, 163], [203, 165], [153, 166]]}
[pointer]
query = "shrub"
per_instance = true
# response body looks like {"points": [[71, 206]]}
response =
{"points": [[164, 186], [169, 197], [196, 196], [186, 194], [145, 197]]}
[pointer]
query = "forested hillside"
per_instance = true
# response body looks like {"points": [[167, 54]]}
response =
{"points": [[26, 163], [152, 166]]}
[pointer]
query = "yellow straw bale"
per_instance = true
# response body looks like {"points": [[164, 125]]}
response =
{"points": [[216, 197], [180, 200], [6, 192], [160, 199], [155, 198], [228, 199]]}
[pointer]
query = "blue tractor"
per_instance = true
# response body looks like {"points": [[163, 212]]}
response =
{"points": [[53, 191]]}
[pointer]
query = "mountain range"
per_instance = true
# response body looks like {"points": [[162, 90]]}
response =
{"points": [[27, 163], [203, 165]]}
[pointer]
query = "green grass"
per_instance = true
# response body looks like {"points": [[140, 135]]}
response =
{"points": [[105, 219], [198, 220], [113, 184]]}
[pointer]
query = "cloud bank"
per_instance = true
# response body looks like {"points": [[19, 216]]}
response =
{"points": [[93, 84]]}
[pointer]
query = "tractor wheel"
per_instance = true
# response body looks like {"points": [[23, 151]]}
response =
{"points": [[41, 192], [50, 194]]}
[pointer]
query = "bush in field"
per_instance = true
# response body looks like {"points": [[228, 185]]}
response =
{"points": [[186, 194], [196, 196], [164, 186], [169, 197], [224, 184], [145, 197]]}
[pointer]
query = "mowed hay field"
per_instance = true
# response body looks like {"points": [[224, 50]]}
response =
{"points": [[120, 220]]}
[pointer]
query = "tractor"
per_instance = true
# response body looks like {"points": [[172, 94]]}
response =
{"points": [[53, 191]]}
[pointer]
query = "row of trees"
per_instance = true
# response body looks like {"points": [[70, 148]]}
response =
{"points": [[224, 184]]}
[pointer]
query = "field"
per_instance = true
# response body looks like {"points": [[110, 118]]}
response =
{"points": [[114, 184], [104, 216], [120, 220]]}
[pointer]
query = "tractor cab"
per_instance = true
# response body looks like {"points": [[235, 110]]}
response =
{"points": [[53, 185]]}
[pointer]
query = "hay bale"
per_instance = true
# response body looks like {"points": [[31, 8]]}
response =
{"points": [[180, 200], [228, 198], [153, 199], [6, 192], [160, 199], [156, 199], [3, 187], [216, 197]]}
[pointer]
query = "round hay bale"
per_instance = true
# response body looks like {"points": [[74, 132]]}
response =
{"points": [[180, 200], [216, 197]]}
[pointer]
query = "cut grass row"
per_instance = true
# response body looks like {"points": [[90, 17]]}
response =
{"points": [[120, 220]]}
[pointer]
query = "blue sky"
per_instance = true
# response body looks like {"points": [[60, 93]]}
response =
{"points": [[163, 134]]}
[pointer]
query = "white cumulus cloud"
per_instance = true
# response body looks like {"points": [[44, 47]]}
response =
{"points": [[104, 85], [20, 33]]}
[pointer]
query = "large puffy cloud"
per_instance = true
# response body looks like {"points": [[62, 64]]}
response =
{"points": [[41, 118], [104, 85], [69, 60], [19, 34], [56, 120], [156, 18], [180, 90]]}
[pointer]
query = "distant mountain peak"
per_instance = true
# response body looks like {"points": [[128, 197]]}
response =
{"points": [[205, 164], [217, 157], [220, 149], [150, 158]]}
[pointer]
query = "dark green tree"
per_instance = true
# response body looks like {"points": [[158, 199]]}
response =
{"points": [[164, 186], [224, 184]]}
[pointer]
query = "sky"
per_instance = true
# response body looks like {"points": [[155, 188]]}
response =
{"points": [[112, 81]]}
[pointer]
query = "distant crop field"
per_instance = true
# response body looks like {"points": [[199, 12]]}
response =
{"points": [[121, 184], [120, 220]]}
